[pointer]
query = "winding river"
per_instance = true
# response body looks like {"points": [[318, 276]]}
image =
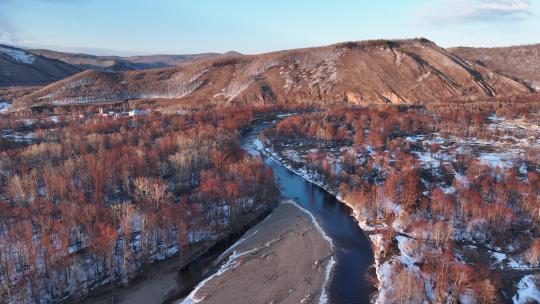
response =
{"points": [[353, 252]]}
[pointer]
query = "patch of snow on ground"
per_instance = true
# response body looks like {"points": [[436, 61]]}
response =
{"points": [[427, 159], [384, 275], [404, 245], [18, 55], [467, 297], [378, 247], [4, 106], [495, 118], [19, 137], [258, 144], [506, 261], [292, 155], [28, 122], [286, 115], [527, 291], [449, 190], [461, 179], [495, 160], [415, 138], [523, 168]]}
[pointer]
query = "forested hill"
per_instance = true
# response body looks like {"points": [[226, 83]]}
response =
{"points": [[520, 62]]}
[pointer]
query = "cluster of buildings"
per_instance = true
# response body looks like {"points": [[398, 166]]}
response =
{"points": [[131, 113]]}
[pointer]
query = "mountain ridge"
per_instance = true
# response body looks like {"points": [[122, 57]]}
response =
{"points": [[20, 67], [120, 63], [375, 71], [30, 67]]}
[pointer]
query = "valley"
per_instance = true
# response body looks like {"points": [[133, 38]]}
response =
{"points": [[410, 175]]}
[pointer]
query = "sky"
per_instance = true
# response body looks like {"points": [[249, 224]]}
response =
{"points": [[128, 27]]}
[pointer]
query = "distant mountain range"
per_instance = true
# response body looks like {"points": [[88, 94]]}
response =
{"points": [[379, 71], [21, 67], [117, 63]]}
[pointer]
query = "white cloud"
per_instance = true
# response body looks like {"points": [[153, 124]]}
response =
{"points": [[456, 11]]}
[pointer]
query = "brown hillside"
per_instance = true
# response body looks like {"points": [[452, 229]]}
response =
{"points": [[519, 62], [404, 71]]}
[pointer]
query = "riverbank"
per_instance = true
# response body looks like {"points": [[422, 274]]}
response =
{"points": [[155, 283], [163, 281], [286, 258], [419, 254], [374, 236]]}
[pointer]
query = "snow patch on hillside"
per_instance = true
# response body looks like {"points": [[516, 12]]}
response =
{"points": [[18, 55]]}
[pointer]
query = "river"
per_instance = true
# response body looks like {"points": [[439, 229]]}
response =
{"points": [[353, 254], [353, 250]]}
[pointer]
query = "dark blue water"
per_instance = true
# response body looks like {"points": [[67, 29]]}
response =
{"points": [[352, 249]]}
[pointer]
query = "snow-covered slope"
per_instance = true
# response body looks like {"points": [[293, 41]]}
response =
{"points": [[18, 55]]}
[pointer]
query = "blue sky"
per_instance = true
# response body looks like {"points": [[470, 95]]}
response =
{"points": [[255, 26]]}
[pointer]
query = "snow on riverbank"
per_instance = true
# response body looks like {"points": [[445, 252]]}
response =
{"points": [[331, 264], [232, 262], [528, 291], [382, 274], [390, 267]]}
